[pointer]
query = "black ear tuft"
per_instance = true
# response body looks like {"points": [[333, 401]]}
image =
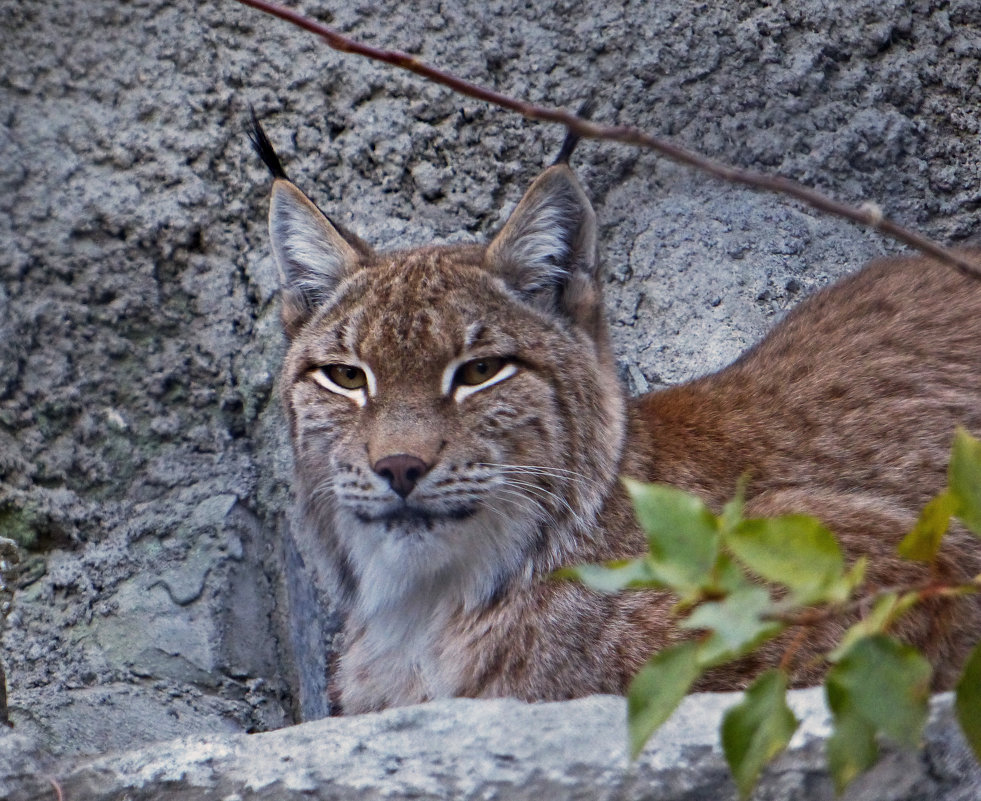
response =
{"points": [[571, 137], [262, 146]]}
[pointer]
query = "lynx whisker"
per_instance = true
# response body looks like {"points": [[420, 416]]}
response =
{"points": [[487, 503], [323, 490], [563, 503], [546, 514], [551, 472]]}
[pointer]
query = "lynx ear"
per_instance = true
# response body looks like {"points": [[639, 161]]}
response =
{"points": [[549, 240], [312, 253]]}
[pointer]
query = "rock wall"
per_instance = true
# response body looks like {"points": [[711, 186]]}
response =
{"points": [[143, 466]]}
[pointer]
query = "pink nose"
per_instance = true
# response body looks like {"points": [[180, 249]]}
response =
{"points": [[402, 471]]}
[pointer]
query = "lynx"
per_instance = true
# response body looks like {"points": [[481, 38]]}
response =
{"points": [[459, 430]]}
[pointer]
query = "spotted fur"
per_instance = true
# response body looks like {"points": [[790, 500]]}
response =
{"points": [[845, 411]]}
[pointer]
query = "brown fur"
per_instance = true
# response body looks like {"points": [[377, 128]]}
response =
{"points": [[845, 410]]}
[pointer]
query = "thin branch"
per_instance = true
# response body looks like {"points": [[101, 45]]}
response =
{"points": [[867, 214], [57, 787], [792, 649], [813, 616]]}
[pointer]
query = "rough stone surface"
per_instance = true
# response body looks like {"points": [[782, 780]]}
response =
{"points": [[462, 749], [143, 465]]}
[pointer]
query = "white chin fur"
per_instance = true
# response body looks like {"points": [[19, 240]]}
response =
{"points": [[451, 564]]}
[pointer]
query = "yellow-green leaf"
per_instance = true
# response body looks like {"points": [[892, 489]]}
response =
{"points": [[656, 691], [732, 512], [964, 478], [757, 729], [737, 624], [682, 535], [856, 575], [967, 702], [796, 551], [923, 542], [612, 576]]}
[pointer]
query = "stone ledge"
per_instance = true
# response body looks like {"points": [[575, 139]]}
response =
{"points": [[504, 749]]}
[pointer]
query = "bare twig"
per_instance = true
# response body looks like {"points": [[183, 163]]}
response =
{"points": [[791, 651], [867, 214], [57, 787], [813, 616]]}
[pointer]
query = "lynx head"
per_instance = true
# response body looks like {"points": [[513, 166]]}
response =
{"points": [[455, 413]]}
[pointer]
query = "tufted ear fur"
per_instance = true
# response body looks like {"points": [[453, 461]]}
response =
{"points": [[547, 248], [312, 253]]}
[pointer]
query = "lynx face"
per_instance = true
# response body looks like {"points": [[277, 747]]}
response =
{"points": [[455, 412]]}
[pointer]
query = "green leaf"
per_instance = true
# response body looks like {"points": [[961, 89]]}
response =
{"points": [[612, 576], [757, 729], [856, 574], [886, 609], [728, 577], [732, 512], [796, 551], [886, 684], [923, 542], [851, 749], [879, 685], [964, 478], [656, 691], [737, 624], [967, 701], [682, 535]]}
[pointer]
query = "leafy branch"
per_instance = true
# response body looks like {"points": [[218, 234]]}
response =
{"points": [[876, 685], [867, 214]]}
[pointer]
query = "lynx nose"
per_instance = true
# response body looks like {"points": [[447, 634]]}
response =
{"points": [[401, 471]]}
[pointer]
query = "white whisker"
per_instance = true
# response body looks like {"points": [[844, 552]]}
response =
{"points": [[323, 490], [550, 472], [555, 496], [544, 513], [485, 503]]}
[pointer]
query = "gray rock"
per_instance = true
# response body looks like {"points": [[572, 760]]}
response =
{"points": [[498, 749]]}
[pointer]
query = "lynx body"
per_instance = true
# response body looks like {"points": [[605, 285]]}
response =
{"points": [[459, 431]]}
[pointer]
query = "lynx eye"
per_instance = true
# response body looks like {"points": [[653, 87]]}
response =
{"points": [[346, 375], [349, 380], [478, 371], [461, 379]]}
